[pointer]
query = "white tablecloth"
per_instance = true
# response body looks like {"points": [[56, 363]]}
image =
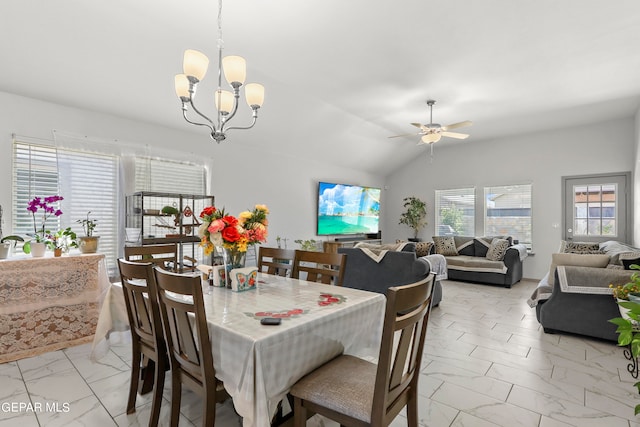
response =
{"points": [[257, 363]]}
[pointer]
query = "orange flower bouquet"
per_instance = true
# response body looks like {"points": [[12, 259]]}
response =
{"points": [[233, 234]]}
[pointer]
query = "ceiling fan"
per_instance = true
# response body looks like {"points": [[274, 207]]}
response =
{"points": [[433, 131]]}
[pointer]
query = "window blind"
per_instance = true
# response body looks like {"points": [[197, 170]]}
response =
{"points": [[170, 176], [455, 212], [35, 173]]}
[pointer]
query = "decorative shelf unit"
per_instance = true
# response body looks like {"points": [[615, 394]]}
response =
{"points": [[146, 220]]}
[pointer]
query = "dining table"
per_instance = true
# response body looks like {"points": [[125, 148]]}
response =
{"points": [[258, 363]]}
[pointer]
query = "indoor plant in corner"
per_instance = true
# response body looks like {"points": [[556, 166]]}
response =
{"points": [[414, 215], [88, 243]]}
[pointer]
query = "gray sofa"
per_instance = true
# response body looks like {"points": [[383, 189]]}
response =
{"points": [[467, 260], [580, 301], [394, 269]]}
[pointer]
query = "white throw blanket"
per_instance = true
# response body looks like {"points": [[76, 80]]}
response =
{"points": [[438, 265]]}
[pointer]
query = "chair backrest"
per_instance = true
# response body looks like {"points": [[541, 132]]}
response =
{"points": [[276, 261], [185, 324], [164, 256], [403, 335], [141, 299], [323, 267]]}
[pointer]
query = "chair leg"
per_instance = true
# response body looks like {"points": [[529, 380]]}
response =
{"points": [[158, 385], [209, 402], [412, 410], [176, 396], [133, 386], [299, 413]]}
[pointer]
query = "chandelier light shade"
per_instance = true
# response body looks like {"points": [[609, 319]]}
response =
{"points": [[234, 68], [195, 64]]}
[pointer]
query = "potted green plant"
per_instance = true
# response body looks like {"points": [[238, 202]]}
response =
{"points": [[414, 215], [62, 241], [88, 243], [307, 245], [629, 323], [8, 244]]}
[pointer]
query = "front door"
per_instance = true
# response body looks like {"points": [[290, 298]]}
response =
{"points": [[596, 207]]}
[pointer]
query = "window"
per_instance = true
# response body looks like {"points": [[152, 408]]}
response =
{"points": [[87, 181], [455, 212], [508, 212]]}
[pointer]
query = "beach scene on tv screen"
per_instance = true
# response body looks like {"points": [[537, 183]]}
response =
{"points": [[347, 209]]}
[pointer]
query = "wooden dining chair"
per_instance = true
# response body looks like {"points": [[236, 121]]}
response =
{"points": [[276, 261], [149, 352], [355, 392], [164, 255], [322, 267], [189, 347]]}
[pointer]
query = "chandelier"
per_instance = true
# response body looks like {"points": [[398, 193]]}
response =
{"points": [[195, 66]]}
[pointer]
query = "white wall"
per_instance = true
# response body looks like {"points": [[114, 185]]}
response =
{"points": [[240, 178], [541, 159]]}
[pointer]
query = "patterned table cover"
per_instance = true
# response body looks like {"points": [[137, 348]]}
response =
{"points": [[258, 363], [49, 303]]}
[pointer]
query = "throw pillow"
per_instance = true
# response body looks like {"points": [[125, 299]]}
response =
{"points": [[497, 249], [582, 248], [579, 260], [481, 246], [423, 248], [464, 245], [445, 245]]}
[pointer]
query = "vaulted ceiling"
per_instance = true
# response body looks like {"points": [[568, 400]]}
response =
{"points": [[340, 76]]}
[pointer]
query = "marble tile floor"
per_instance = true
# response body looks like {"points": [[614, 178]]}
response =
{"points": [[487, 363]]}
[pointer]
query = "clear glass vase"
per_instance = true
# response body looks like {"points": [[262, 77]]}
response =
{"points": [[232, 258]]}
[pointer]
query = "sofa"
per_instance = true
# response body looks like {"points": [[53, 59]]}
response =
{"points": [[375, 269], [574, 296], [490, 260]]}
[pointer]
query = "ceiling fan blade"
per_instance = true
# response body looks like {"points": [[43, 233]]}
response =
{"points": [[405, 134], [455, 135], [457, 125], [421, 126]]}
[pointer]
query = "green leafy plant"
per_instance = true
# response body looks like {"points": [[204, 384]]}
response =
{"points": [[307, 245], [629, 325], [414, 215], [88, 225], [62, 239]]}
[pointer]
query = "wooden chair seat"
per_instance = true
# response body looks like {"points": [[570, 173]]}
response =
{"points": [[358, 393]]}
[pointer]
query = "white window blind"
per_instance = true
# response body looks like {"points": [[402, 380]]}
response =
{"points": [[455, 212], [508, 212], [171, 176], [35, 173], [87, 181]]}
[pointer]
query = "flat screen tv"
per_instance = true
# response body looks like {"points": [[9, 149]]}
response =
{"points": [[347, 209]]}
